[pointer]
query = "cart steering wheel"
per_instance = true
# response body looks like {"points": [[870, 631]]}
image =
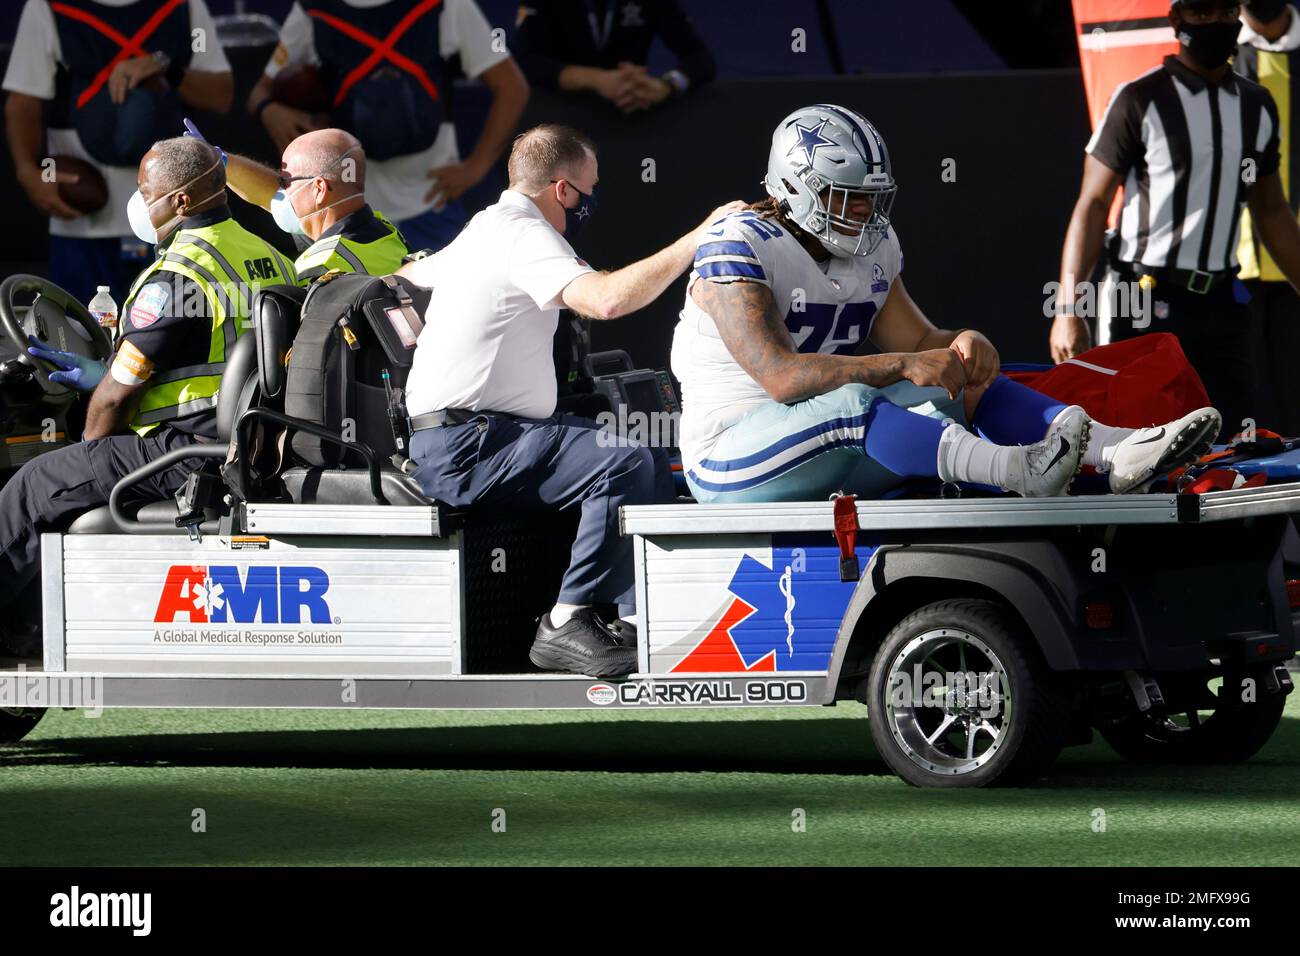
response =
{"points": [[57, 319]]}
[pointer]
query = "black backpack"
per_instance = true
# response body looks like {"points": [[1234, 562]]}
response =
{"points": [[350, 359]]}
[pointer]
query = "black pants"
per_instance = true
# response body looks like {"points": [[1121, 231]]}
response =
{"points": [[52, 489], [1276, 309], [1216, 333]]}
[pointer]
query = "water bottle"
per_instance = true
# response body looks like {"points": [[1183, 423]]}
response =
{"points": [[104, 309]]}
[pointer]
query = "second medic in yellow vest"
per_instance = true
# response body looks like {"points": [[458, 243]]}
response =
{"points": [[318, 197]]}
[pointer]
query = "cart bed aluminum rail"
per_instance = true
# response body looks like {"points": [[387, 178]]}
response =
{"points": [[956, 513]]}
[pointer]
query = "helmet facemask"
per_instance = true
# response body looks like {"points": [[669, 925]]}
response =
{"points": [[843, 235]]}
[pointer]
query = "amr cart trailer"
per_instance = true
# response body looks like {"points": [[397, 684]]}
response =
{"points": [[983, 634]]}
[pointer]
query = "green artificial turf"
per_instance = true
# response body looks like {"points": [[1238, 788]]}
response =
{"points": [[590, 788]]}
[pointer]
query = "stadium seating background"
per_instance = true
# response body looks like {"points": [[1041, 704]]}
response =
{"points": [[978, 250]]}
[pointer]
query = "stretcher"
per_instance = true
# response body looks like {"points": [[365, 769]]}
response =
{"points": [[982, 633]]}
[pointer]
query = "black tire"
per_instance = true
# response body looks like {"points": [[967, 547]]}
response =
{"points": [[1031, 715], [1231, 733], [17, 722]]}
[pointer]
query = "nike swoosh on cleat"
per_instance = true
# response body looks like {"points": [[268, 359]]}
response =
{"points": [[1147, 441], [1064, 450]]}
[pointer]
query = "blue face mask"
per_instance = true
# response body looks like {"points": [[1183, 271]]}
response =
{"points": [[577, 217]]}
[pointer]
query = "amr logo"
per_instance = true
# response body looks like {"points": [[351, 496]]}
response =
{"points": [[222, 595]]}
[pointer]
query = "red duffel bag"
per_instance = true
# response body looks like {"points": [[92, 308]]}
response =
{"points": [[1131, 384]]}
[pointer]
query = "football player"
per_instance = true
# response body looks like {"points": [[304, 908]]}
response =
{"points": [[779, 406]]}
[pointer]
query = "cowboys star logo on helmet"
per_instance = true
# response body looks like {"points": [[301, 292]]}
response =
{"points": [[810, 140]]}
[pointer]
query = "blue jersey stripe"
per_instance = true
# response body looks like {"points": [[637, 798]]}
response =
{"points": [[735, 464], [727, 267], [776, 472], [727, 247]]}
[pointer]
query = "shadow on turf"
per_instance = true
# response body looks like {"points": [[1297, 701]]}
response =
{"points": [[829, 746]]}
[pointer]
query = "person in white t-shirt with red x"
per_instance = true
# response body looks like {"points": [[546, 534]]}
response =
{"points": [[383, 67]]}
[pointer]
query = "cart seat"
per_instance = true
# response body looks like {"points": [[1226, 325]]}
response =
{"points": [[238, 390], [100, 520], [336, 486]]}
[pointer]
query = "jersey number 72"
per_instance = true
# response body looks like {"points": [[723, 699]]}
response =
{"points": [[832, 328]]}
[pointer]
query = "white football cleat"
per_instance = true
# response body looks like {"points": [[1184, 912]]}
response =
{"points": [[1150, 451], [1045, 469]]}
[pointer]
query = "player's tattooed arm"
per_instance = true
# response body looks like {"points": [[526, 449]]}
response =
{"points": [[746, 316]]}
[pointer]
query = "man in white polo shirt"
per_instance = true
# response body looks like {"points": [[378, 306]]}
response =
{"points": [[482, 391]]}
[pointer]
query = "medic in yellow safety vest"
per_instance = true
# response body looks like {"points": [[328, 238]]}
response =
{"points": [[225, 265], [318, 197], [158, 396]]}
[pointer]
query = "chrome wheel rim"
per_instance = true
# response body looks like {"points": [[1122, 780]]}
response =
{"points": [[948, 702]]}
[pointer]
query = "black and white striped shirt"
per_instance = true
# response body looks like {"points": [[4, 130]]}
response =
{"points": [[1189, 152]]}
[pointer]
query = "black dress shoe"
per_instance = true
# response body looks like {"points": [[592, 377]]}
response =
{"points": [[583, 645]]}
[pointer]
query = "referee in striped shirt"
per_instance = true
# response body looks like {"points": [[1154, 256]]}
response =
{"points": [[1190, 141]]}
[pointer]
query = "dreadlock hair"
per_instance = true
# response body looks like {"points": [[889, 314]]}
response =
{"points": [[770, 208]]}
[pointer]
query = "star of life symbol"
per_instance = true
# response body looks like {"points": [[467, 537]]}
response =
{"points": [[786, 585], [208, 596]]}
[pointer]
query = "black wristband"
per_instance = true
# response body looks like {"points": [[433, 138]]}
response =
{"points": [[260, 107]]}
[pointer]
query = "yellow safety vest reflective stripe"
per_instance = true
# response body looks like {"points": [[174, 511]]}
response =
{"points": [[228, 264], [339, 254]]}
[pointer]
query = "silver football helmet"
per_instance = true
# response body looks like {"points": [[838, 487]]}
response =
{"points": [[823, 147]]}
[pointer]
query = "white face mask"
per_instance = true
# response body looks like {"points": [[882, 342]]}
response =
{"points": [[287, 218], [137, 210]]}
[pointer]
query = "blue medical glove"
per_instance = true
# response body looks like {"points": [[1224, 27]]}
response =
{"points": [[75, 371], [192, 130]]}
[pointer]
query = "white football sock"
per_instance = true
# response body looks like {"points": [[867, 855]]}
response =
{"points": [[966, 457], [1102, 442], [561, 613], [633, 619]]}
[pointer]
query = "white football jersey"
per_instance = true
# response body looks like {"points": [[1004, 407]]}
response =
{"points": [[829, 307]]}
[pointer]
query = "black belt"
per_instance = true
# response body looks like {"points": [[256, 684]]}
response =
{"points": [[444, 416], [1193, 280]]}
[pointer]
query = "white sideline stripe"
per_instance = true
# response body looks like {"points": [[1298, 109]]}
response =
{"points": [[1089, 365], [1103, 41], [776, 461]]}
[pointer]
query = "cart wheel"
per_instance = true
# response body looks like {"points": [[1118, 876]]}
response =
{"points": [[1232, 732], [17, 722], [959, 697]]}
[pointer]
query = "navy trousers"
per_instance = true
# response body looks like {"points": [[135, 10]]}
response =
{"points": [[559, 463], [52, 489]]}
